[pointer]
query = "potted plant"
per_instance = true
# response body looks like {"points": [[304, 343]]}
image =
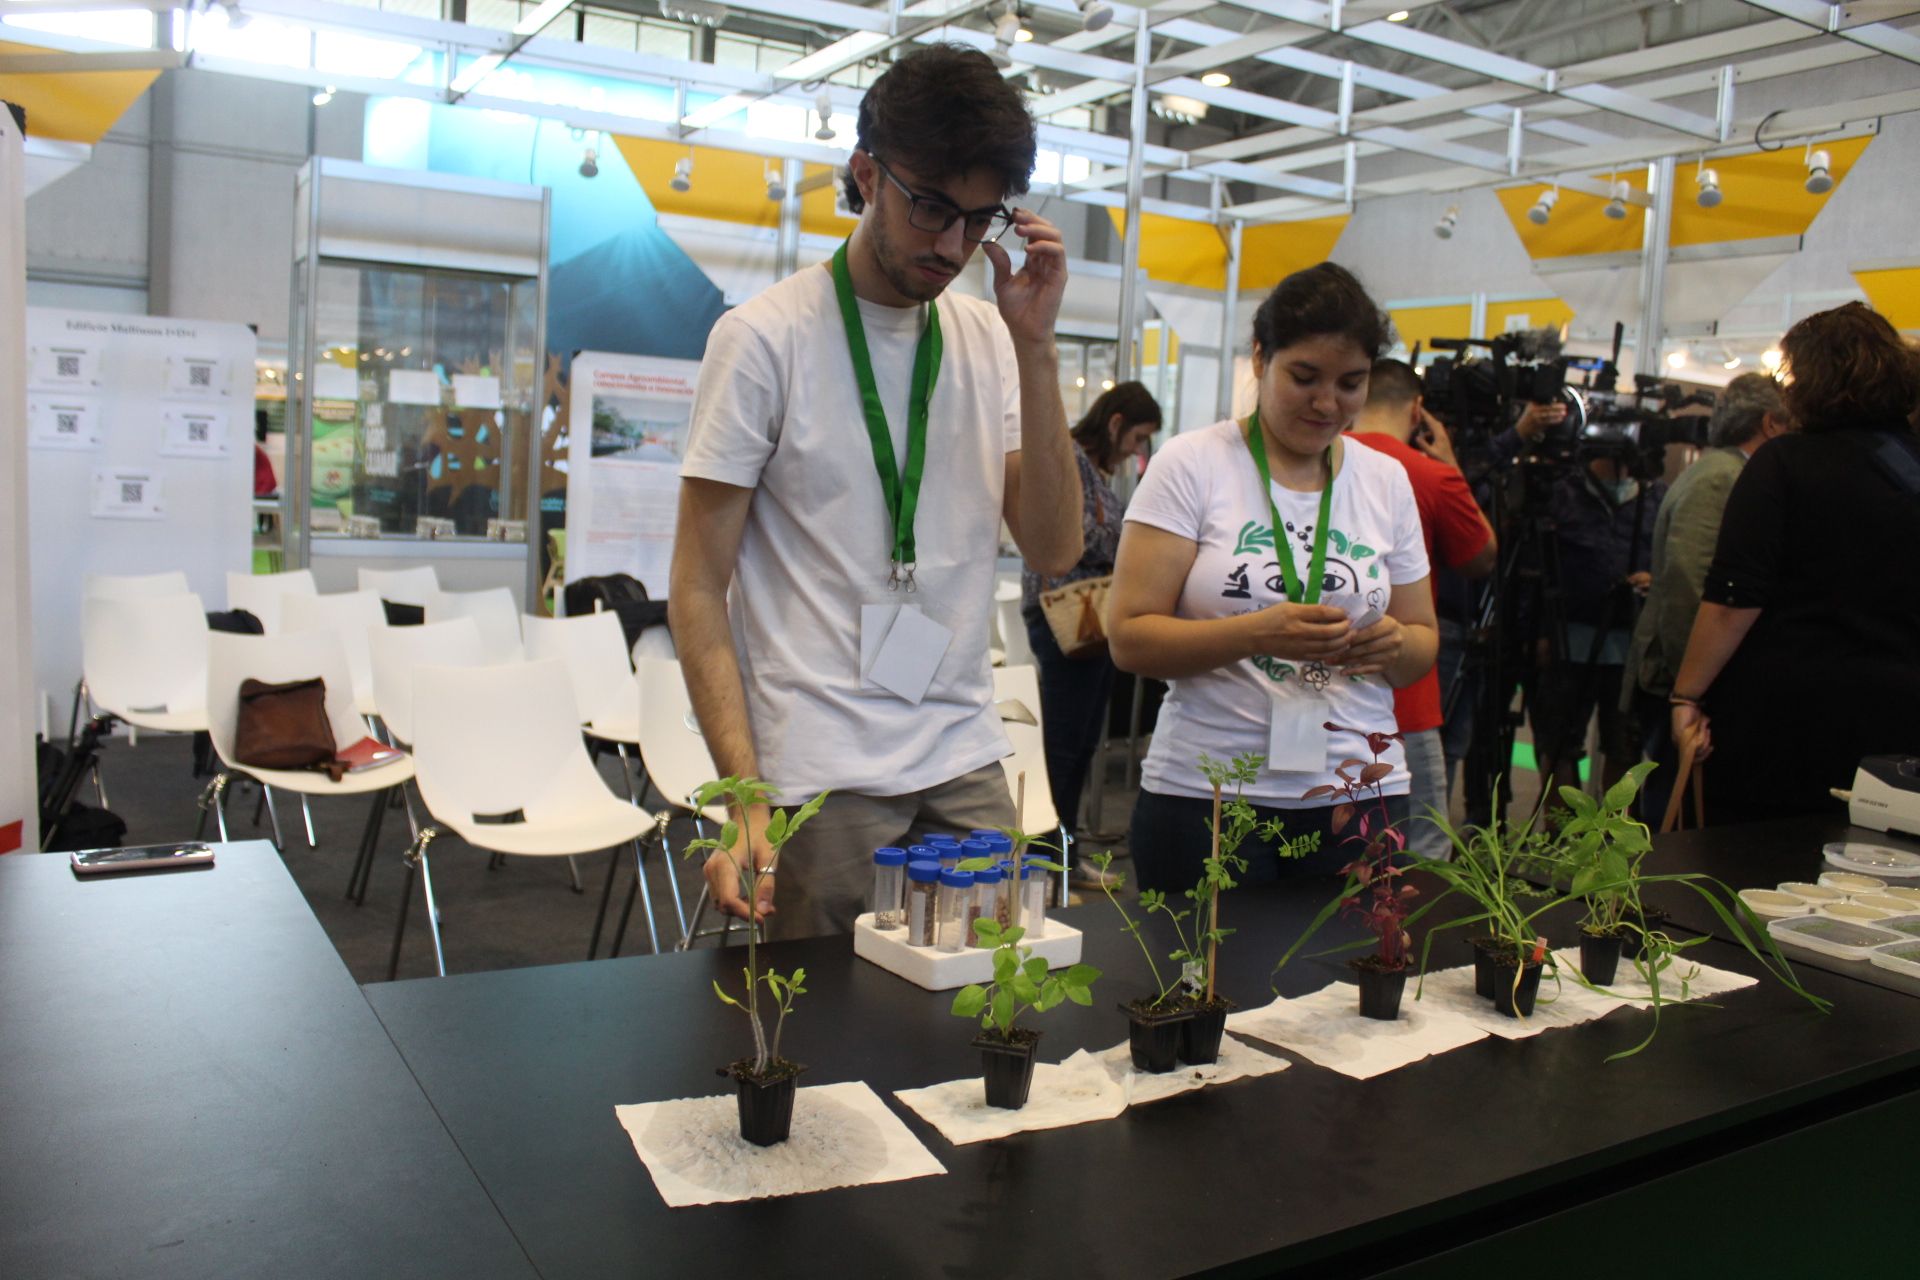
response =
{"points": [[1153, 1022], [1020, 982], [765, 1082], [1600, 850]]}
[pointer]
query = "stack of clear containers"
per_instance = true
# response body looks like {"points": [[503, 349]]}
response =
{"points": [[956, 900], [889, 887]]}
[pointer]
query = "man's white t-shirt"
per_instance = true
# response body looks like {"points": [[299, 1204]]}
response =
{"points": [[1203, 486], [777, 410]]}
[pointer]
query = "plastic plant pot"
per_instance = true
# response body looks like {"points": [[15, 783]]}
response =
{"points": [[1516, 1002], [1380, 990], [1201, 1031], [1007, 1067], [766, 1105], [1153, 1038], [1599, 957], [1484, 951]]}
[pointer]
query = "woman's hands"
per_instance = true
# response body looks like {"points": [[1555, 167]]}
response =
{"points": [[1689, 721], [1372, 650], [1301, 632]]}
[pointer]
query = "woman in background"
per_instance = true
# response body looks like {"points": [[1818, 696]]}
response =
{"points": [[1074, 690]]}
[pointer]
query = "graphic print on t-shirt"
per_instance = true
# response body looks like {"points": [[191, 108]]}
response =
{"points": [[1341, 575]]}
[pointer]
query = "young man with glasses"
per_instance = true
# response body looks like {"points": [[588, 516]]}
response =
{"points": [[858, 435]]}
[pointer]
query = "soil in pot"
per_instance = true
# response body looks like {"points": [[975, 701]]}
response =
{"points": [[1600, 955], [1654, 920], [1153, 1034], [765, 1098], [1200, 1033], [1007, 1066], [1380, 987], [1515, 1003]]}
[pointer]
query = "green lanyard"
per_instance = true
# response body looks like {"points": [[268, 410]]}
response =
{"points": [[902, 489], [1283, 550]]}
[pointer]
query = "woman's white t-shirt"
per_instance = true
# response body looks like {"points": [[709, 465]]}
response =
{"points": [[1203, 487]]}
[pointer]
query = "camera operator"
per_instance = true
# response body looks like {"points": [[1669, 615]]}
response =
{"points": [[1751, 411], [1601, 515]]}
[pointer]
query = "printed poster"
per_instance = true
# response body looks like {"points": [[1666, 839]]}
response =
{"points": [[71, 422], [126, 495], [628, 417]]}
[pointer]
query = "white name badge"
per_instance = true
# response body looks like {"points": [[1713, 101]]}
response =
{"points": [[900, 649], [1297, 735]]}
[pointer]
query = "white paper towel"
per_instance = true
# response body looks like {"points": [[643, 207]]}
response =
{"points": [[1237, 1061], [1566, 1004], [1680, 981], [843, 1135], [1071, 1092], [1326, 1028]]}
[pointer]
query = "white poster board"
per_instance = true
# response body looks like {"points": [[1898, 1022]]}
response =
{"points": [[627, 418], [19, 817], [167, 482]]}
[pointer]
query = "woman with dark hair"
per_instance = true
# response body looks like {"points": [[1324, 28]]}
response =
{"points": [[1074, 690], [1277, 578], [1803, 649]]}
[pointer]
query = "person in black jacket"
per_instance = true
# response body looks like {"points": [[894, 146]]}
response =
{"points": [[1803, 653]]}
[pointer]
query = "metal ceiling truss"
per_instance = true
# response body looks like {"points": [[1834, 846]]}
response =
{"points": [[1510, 119]]}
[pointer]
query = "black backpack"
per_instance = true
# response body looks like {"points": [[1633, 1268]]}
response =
{"points": [[619, 593]]}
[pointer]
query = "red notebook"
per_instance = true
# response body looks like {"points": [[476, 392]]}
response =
{"points": [[368, 754]]}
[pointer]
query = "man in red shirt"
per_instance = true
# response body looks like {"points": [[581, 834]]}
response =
{"points": [[1458, 538]]}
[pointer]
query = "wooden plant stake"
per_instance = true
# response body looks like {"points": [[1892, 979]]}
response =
{"points": [[1019, 848], [1213, 906]]}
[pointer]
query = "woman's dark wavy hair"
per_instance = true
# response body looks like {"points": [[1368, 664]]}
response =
{"points": [[1849, 369], [943, 110], [1320, 301], [1132, 401]]}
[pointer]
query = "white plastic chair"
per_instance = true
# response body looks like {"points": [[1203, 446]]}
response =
{"points": [[396, 651], [1011, 626], [492, 610], [351, 615], [1019, 687], [402, 586], [502, 765], [263, 594], [677, 761], [143, 659], [110, 586], [595, 650], [232, 659]]}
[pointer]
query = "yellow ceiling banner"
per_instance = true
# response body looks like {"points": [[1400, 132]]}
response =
{"points": [[1419, 326], [1763, 194], [1526, 313], [1180, 251], [728, 186], [71, 106], [1895, 294]]}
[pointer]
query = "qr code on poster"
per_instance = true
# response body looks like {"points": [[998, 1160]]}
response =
{"points": [[197, 432], [199, 375], [132, 491], [67, 424], [66, 366]]}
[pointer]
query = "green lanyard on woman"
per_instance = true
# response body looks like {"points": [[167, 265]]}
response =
{"points": [[901, 489], [1297, 592]]}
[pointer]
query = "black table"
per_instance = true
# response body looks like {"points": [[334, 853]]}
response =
{"points": [[191, 1085], [1501, 1153]]}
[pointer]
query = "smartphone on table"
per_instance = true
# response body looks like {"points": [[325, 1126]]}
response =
{"points": [[146, 857]]}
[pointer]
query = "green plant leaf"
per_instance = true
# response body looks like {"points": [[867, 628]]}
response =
{"points": [[1052, 992], [724, 997], [1080, 975], [969, 1000], [1036, 968], [1011, 934], [1579, 802], [1079, 995], [1005, 964], [1024, 989], [987, 929], [1003, 1010]]}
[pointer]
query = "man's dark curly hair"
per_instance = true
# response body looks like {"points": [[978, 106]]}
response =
{"points": [[944, 110]]}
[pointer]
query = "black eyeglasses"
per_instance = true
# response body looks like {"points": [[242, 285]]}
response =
{"points": [[935, 214]]}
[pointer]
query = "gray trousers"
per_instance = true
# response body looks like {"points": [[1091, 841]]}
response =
{"points": [[1427, 763], [826, 871]]}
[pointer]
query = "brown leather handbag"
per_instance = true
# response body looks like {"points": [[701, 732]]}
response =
{"points": [[283, 726]]}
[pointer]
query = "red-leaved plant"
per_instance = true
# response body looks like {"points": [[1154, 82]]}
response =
{"points": [[1375, 896]]}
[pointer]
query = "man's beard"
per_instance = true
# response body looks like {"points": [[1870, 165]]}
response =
{"points": [[901, 273]]}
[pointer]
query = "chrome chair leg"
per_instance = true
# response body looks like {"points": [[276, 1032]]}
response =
{"points": [[100, 784], [626, 773], [211, 797], [573, 871], [673, 873], [606, 896], [306, 811], [416, 859], [273, 816], [646, 902], [1066, 865]]}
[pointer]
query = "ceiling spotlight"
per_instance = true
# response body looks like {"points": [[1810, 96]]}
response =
{"points": [[1731, 362], [1179, 109], [1025, 33], [1770, 359], [590, 164], [823, 107], [698, 13], [1398, 15], [1005, 31], [236, 17], [1448, 221], [1819, 173], [1543, 207], [1106, 384], [1677, 359], [1216, 79], [682, 179], [776, 189], [1617, 204], [1094, 14], [1708, 195], [323, 97]]}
